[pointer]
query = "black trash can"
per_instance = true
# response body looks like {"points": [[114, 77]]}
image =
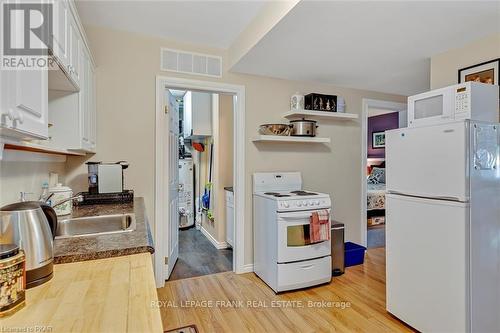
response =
{"points": [[337, 241]]}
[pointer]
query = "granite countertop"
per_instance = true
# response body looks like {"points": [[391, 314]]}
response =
{"points": [[105, 246]]}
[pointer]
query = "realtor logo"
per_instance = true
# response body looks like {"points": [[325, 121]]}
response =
{"points": [[26, 35]]}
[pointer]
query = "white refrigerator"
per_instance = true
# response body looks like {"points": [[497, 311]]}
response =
{"points": [[443, 226]]}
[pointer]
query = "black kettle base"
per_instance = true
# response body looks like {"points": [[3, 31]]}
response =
{"points": [[40, 275]]}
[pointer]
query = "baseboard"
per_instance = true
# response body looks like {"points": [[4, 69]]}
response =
{"points": [[218, 245], [246, 269]]}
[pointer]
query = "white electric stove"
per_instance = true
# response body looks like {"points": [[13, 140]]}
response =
{"points": [[284, 257]]}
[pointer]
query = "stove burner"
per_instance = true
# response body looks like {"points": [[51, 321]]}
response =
{"points": [[303, 193], [271, 193]]}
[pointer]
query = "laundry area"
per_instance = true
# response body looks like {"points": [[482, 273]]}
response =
{"points": [[205, 183]]}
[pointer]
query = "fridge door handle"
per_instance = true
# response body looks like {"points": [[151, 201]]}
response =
{"points": [[436, 197]]}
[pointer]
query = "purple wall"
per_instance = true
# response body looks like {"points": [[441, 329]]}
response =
{"points": [[379, 124]]}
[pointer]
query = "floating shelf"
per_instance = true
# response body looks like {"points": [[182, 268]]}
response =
{"points": [[320, 115], [278, 138], [37, 148]]}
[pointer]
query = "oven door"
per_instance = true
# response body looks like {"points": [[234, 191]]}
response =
{"points": [[430, 108], [293, 238]]}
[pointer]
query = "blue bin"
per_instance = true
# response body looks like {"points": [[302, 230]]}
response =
{"points": [[354, 254]]}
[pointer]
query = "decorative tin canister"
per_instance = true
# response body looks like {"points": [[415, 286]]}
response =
{"points": [[12, 279], [61, 193]]}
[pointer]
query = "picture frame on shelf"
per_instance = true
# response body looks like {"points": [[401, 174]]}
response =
{"points": [[378, 140]]}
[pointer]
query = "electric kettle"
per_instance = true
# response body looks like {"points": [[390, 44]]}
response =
{"points": [[32, 226]]}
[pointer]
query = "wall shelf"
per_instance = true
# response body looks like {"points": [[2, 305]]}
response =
{"points": [[319, 115], [278, 138]]}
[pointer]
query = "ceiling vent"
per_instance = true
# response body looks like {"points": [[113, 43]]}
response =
{"points": [[190, 63]]}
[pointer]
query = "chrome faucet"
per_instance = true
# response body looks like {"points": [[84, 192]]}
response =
{"points": [[78, 198]]}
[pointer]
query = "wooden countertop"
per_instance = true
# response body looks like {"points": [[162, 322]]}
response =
{"points": [[106, 295]]}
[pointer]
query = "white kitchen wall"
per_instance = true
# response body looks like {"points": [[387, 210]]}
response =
{"points": [[25, 172], [445, 66]]}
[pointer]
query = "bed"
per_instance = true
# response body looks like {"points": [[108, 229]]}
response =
{"points": [[375, 196]]}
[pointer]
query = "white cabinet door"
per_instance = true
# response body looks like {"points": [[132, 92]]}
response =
{"points": [[84, 100], [87, 103], [24, 104], [202, 114], [197, 119], [60, 32], [6, 115], [29, 103], [25, 99], [74, 50], [92, 108]]}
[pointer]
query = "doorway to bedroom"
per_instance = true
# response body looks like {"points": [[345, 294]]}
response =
{"points": [[379, 116]]}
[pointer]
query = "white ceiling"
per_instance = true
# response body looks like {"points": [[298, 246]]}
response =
{"points": [[379, 46], [207, 23]]}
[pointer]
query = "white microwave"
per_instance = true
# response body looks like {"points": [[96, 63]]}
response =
{"points": [[469, 100]]}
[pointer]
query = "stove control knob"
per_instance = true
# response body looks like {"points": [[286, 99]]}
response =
{"points": [[299, 204], [305, 203], [286, 205], [317, 203]]}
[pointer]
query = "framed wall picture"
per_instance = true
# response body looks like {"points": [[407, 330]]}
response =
{"points": [[486, 72], [378, 139]]}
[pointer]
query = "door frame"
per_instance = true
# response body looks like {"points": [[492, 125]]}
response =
{"points": [[366, 104], [161, 210]]}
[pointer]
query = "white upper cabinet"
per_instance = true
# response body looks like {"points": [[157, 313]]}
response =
{"points": [[87, 109], [65, 98], [75, 44], [92, 109], [24, 106], [29, 103], [60, 32], [197, 113]]}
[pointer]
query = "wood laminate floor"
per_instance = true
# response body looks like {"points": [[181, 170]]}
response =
{"points": [[227, 302], [197, 256]]}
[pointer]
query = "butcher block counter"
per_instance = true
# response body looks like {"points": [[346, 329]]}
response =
{"points": [[106, 295]]}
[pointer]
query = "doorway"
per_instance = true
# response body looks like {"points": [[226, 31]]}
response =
{"points": [[205, 175], [377, 117], [171, 143]]}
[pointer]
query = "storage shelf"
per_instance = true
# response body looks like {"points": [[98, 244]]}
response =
{"points": [[278, 138], [37, 148], [320, 115]]}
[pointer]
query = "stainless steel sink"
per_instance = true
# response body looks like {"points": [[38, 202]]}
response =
{"points": [[95, 225]]}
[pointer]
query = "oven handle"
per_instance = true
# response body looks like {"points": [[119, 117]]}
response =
{"points": [[297, 216]]}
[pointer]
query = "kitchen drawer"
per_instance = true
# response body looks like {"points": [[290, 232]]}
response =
{"points": [[304, 273]]}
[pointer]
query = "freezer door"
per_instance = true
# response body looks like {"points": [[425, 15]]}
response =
{"points": [[428, 161], [427, 263]]}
